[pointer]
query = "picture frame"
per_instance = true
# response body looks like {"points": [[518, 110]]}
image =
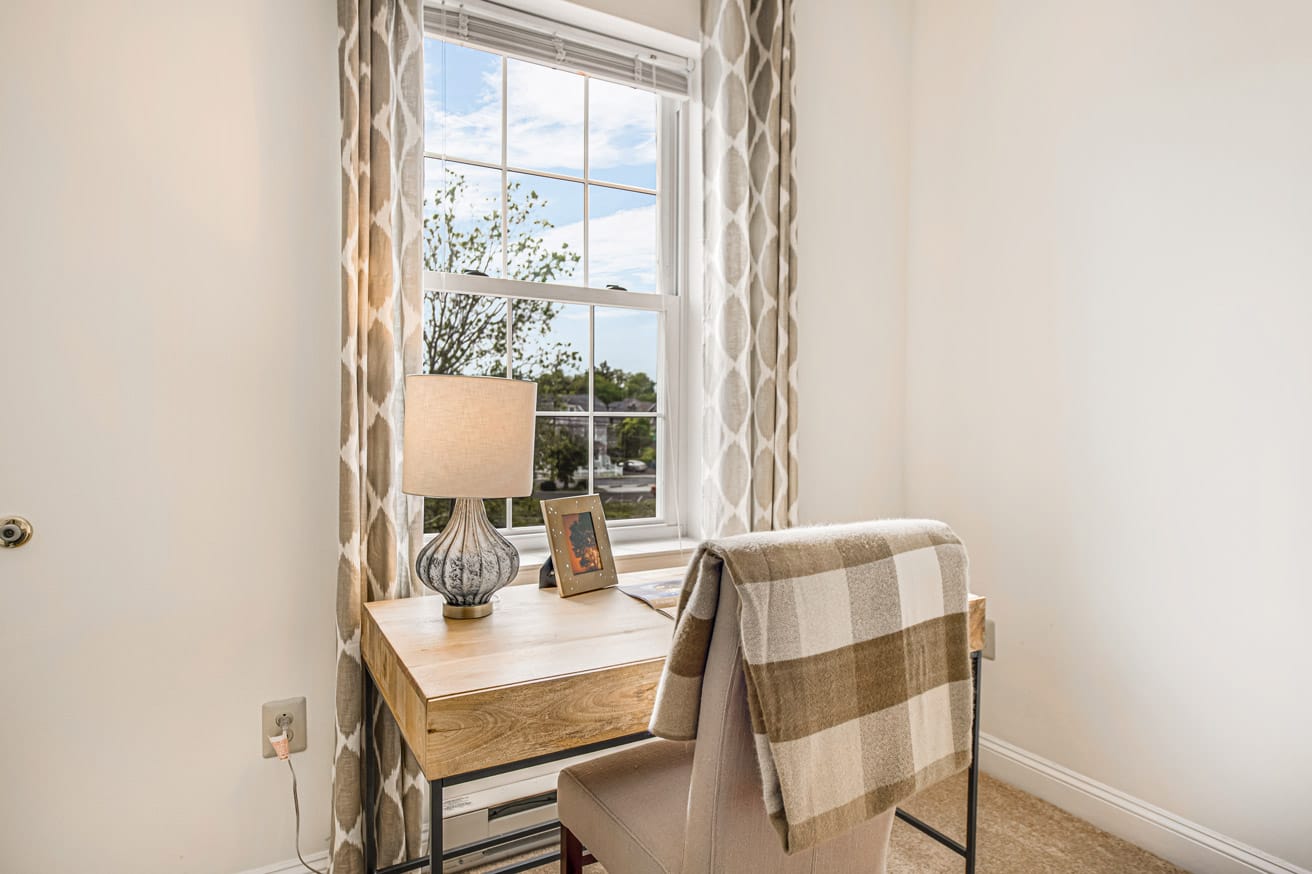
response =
{"points": [[580, 544]]}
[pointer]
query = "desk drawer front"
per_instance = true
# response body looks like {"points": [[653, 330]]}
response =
{"points": [[498, 726]]}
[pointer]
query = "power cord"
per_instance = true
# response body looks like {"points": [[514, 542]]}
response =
{"points": [[296, 805], [280, 746]]}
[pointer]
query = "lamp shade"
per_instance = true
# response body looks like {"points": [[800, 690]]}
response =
{"points": [[468, 436]]}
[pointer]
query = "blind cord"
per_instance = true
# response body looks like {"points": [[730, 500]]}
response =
{"points": [[296, 805]]}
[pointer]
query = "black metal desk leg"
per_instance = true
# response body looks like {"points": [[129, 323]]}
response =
{"points": [[972, 785], [435, 826], [368, 772]]}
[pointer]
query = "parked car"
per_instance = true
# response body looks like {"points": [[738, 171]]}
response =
{"points": [[633, 465]]}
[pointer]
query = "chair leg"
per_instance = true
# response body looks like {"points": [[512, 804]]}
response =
{"points": [[571, 853]]}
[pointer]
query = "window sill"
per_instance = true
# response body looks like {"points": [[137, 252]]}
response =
{"points": [[638, 555]]}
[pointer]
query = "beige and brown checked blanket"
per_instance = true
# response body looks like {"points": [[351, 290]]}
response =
{"points": [[856, 650]]}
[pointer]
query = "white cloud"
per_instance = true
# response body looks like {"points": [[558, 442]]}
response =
{"points": [[623, 122], [545, 121], [622, 249], [474, 134]]}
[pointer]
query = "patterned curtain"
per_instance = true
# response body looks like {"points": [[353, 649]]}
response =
{"points": [[751, 305], [380, 52]]}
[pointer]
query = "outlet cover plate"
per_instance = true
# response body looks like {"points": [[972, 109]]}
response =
{"points": [[294, 707]]}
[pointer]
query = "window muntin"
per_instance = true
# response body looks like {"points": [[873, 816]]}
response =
{"points": [[546, 182]]}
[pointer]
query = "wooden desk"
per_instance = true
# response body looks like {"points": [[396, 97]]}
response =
{"points": [[540, 675], [542, 678]]}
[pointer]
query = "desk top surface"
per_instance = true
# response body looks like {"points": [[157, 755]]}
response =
{"points": [[533, 634]]}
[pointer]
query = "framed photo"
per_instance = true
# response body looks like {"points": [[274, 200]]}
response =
{"points": [[580, 546]]}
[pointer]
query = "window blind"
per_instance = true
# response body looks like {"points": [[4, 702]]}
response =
{"points": [[532, 38]]}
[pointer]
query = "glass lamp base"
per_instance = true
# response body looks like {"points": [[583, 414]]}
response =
{"points": [[468, 562]]}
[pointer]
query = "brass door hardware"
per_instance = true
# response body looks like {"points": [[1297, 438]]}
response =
{"points": [[14, 532]]}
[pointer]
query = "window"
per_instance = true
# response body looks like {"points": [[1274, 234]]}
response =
{"points": [[551, 243]]}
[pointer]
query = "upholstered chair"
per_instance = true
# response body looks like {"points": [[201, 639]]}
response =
{"points": [[697, 808]]}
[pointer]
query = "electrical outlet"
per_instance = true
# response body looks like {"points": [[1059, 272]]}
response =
{"points": [[990, 640], [269, 713]]}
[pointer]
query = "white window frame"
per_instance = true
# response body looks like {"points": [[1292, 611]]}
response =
{"points": [[674, 439]]}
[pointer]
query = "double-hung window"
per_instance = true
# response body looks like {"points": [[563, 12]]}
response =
{"points": [[552, 248]]}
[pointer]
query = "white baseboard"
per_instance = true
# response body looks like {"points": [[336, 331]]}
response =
{"points": [[1179, 841], [291, 866]]}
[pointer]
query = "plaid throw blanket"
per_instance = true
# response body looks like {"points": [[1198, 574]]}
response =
{"points": [[856, 652]]}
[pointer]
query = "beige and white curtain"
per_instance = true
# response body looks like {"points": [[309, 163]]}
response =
{"points": [[380, 53], [750, 360]]}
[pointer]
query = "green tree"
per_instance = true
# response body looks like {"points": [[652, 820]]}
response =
{"points": [[633, 437], [608, 383], [613, 384], [466, 333], [556, 384], [559, 451], [640, 386]]}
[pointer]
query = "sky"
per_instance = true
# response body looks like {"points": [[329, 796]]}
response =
{"points": [[545, 131]]}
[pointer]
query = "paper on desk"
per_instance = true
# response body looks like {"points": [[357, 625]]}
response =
{"points": [[660, 595]]}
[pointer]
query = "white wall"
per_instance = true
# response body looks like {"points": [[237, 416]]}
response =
{"points": [[1110, 383], [1104, 348], [853, 115], [169, 308], [679, 17], [671, 25]]}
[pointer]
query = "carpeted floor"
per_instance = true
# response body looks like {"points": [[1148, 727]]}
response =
{"points": [[1018, 834]]}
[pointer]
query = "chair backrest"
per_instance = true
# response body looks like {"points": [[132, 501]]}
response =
{"points": [[728, 830]]}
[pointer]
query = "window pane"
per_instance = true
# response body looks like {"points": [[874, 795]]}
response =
{"points": [[626, 466], [621, 239], [464, 334], [621, 134], [462, 218], [437, 512], [550, 346], [627, 346], [544, 118], [545, 229], [462, 102], [560, 465]]}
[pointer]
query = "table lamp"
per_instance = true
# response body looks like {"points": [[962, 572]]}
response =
{"points": [[468, 438]]}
